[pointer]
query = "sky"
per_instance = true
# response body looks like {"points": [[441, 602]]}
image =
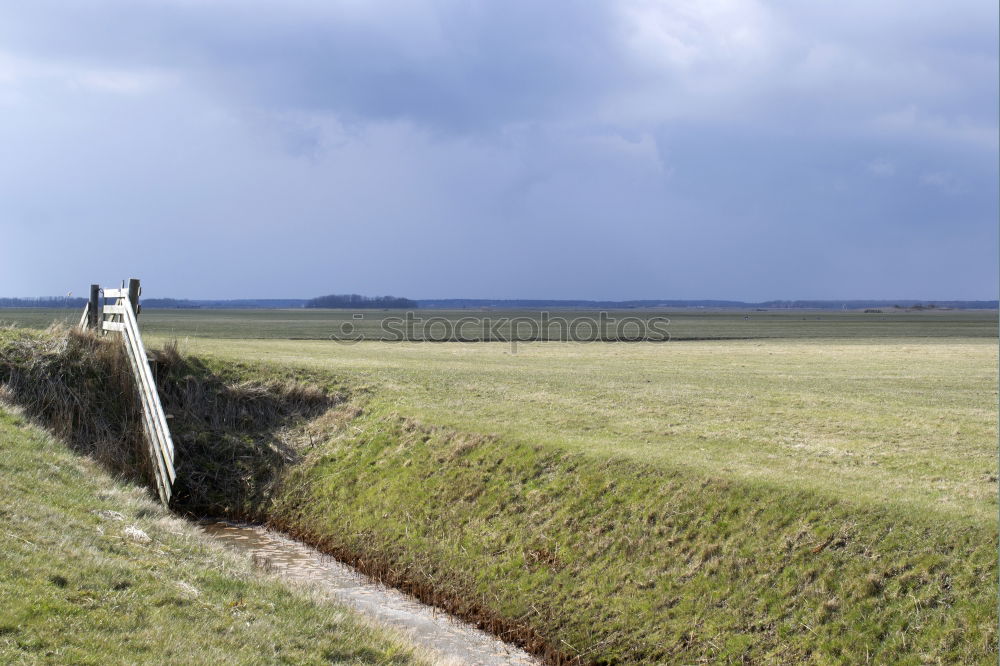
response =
{"points": [[624, 149]]}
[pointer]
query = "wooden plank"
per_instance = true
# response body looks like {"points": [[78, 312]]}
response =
{"points": [[133, 295], [161, 445], [159, 417], [95, 297], [165, 440], [84, 318], [159, 473], [156, 436], [121, 317], [149, 424]]}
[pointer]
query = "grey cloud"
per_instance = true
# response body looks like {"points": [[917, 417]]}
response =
{"points": [[520, 149]]}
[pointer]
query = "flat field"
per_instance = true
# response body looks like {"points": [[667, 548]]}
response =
{"points": [[688, 324], [898, 421], [795, 488]]}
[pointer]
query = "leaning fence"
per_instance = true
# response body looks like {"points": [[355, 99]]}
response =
{"points": [[116, 311]]}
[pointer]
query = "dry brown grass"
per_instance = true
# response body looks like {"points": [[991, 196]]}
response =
{"points": [[232, 436], [79, 385]]}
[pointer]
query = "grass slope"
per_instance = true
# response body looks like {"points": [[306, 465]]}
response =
{"points": [[777, 501], [618, 561], [908, 422], [75, 587], [772, 501]]}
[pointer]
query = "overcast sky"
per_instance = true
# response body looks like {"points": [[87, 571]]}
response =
{"points": [[514, 149]]}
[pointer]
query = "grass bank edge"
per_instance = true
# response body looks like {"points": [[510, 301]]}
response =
{"points": [[93, 571], [465, 521], [917, 418], [627, 563]]}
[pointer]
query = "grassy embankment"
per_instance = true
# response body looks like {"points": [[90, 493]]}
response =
{"points": [[92, 571], [904, 422], [778, 501], [767, 501], [664, 501]]}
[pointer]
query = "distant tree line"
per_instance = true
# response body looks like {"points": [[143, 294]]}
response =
{"points": [[43, 302], [358, 302], [223, 304], [169, 304], [460, 303]]}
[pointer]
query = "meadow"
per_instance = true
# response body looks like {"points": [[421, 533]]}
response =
{"points": [[905, 422], [796, 487], [94, 572], [687, 324]]}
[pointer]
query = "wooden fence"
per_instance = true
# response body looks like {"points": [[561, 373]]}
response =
{"points": [[116, 310]]}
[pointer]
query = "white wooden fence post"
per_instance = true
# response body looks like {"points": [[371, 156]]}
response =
{"points": [[121, 317]]}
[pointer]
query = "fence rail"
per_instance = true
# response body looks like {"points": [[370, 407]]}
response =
{"points": [[120, 316]]}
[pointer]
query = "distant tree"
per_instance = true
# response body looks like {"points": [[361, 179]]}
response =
{"points": [[358, 302], [43, 302], [169, 303]]}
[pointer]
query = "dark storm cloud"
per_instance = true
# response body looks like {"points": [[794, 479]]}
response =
{"points": [[518, 149], [450, 65]]}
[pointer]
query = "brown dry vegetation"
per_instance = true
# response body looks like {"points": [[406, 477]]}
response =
{"points": [[231, 435]]}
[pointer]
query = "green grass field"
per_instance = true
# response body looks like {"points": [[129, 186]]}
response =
{"points": [[79, 584], [824, 492], [902, 421], [684, 324]]}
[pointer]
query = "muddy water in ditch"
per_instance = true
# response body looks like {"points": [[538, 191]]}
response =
{"points": [[453, 640]]}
